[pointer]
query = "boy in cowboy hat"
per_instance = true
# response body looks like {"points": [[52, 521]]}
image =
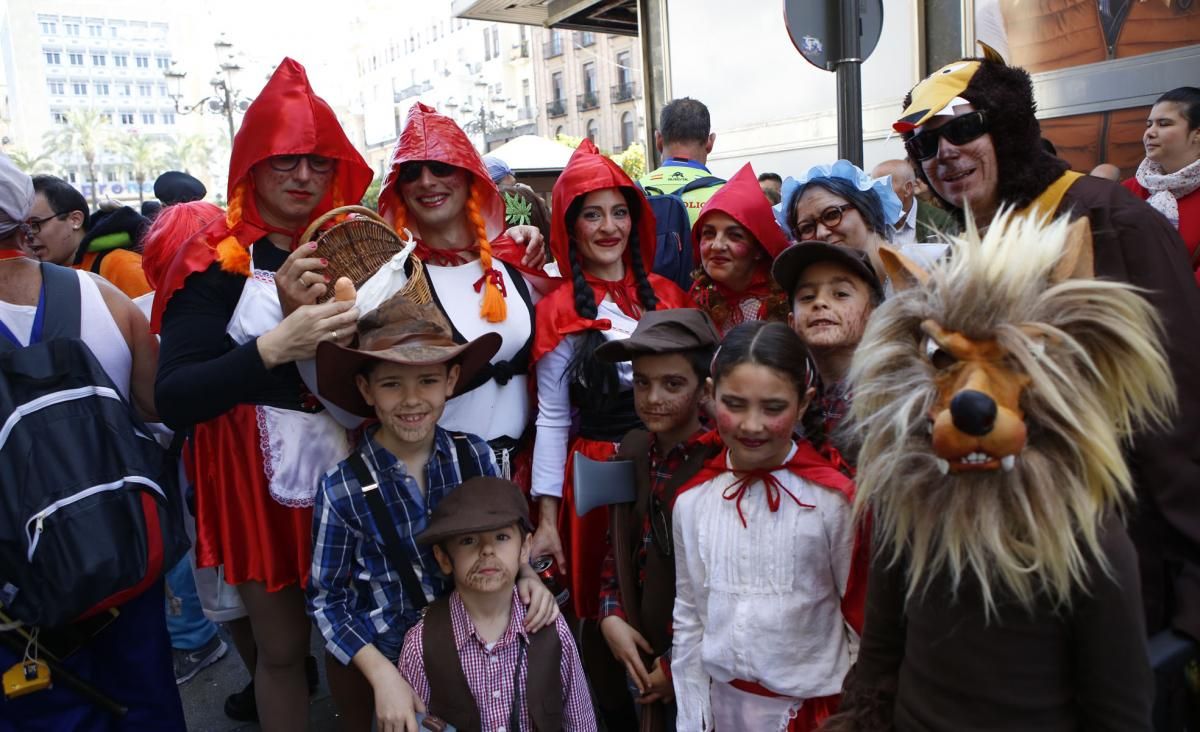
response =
{"points": [[369, 579], [471, 658]]}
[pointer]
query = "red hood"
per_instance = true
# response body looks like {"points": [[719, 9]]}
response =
{"points": [[428, 135], [589, 171], [286, 118], [742, 199]]}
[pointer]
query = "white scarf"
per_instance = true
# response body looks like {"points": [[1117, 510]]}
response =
{"points": [[1165, 188]]}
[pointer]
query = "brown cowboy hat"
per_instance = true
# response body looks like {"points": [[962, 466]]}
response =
{"points": [[403, 332]]}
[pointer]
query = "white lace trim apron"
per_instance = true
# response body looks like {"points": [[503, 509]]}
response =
{"points": [[297, 447]]}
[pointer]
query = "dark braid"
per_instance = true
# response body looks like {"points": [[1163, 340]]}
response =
{"points": [[598, 379], [645, 290]]}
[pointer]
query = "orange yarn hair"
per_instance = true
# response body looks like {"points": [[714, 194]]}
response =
{"points": [[493, 308], [231, 253]]}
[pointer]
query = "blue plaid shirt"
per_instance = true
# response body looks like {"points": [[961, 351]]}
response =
{"points": [[355, 593]]}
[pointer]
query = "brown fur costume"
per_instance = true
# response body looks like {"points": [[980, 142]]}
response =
{"points": [[993, 398]]}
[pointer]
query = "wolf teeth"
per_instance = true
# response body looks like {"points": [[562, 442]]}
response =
{"points": [[1008, 462], [943, 466], [975, 458]]}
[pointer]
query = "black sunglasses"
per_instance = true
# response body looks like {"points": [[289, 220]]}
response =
{"points": [[411, 171], [287, 163], [830, 217], [958, 131]]}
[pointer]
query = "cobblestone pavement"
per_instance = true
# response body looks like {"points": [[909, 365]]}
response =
{"points": [[204, 696]]}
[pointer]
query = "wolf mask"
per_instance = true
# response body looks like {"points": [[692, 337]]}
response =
{"points": [[992, 397]]}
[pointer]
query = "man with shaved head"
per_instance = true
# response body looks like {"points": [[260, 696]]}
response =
{"points": [[918, 222]]}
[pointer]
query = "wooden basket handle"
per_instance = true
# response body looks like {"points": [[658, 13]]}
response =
{"points": [[363, 210]]}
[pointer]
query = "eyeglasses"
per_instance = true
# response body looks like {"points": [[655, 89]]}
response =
{"points": [[411, 171], [829, 218], [34, 226], [660, 525], [287, 163], [958, 131]]}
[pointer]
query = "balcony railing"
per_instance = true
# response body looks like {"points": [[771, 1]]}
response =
{"points": [[586, 101], [524, 113], [520, 50], [550, 49], [411, 91], [556, 108], [624, 92]]}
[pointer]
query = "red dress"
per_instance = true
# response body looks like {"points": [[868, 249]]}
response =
{"points": [[583, 538], [251, 516]]}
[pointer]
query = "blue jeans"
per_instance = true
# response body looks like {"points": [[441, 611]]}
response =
{"points": [[188, 627]]}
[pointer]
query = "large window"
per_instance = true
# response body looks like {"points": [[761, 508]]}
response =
{"points": [[147, 118], [56, 87], [49, 27], [102, 88], [53, 57], [121, 60], [626, 130], [59, 118], [126, 118], [144, 90], [79, 89], [72, 29], [76, 59], [142, 62], [95, 30], [593, 130], [99, 59], [164, 62]]}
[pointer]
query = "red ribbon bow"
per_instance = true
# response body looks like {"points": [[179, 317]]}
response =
{"points": [[492, 275], [443, 257], [771, 485]]}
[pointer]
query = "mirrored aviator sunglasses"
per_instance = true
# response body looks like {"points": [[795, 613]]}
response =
{"points": [[958, 131], [411, 171]]}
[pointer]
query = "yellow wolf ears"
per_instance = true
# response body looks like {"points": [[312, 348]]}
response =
{"points": [[1077, 259], [902, 271]]}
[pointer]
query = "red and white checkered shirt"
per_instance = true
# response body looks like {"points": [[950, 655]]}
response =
{"points": [[490, 671]]}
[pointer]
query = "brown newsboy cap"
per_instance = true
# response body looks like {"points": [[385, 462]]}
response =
{"points": [[791, 263], [404, 332], [479, 504], [663, 331]]}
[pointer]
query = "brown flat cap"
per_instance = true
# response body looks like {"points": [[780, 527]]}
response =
{"points": [[790, 264], [663, 331], [404, 332], [479, 504]]}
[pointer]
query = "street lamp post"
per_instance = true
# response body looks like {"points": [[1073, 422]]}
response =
{"points": [[225, 100]]}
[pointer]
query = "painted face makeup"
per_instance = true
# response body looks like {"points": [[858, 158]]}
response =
{"points": [[434, 194], [757, 408], [830, 306], [486, 561], [287, 198], [666, 395], [728, 251]]}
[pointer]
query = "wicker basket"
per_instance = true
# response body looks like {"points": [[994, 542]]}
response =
{"points": [[358, 247]]}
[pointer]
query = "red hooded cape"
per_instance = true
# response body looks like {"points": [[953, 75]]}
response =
{"points": [[589, 171], [742, 199], [428, 135], [286, 118], [810, 465]]}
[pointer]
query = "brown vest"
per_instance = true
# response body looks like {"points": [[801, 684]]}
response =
{"points": [[449, 694], [648, 613]]}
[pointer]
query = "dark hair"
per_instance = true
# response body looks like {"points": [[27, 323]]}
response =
{"points": [[777, 347], [700, 359], [770, 176], [684, 120], [599, 377], [62, 196], [539, 213], [1189, 98], [867, 204]]}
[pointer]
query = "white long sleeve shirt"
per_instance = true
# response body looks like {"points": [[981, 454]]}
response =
{"points": [[554, 401], [762, 602]]}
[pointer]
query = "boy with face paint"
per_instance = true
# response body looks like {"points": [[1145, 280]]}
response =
{"points": [[671, 351], [478, 635]]}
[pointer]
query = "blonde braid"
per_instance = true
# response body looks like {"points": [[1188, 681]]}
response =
{"points": [[493, 308], [231, 253]]}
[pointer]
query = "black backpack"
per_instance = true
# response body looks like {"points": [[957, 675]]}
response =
{"points": [[673, 229], [90, 510]]}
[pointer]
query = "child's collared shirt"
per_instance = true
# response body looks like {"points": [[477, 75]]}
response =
{"points": [[355, 593], [490, 668]]}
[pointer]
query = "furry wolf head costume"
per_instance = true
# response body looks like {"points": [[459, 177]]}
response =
{"points": [[992, 397]]}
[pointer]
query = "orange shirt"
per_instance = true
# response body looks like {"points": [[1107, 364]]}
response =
{"points": [[121, 267]]}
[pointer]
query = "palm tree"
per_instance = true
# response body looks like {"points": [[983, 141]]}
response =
{"points": [[193, 151], [145, 157], [85, 133], [31, 163]]}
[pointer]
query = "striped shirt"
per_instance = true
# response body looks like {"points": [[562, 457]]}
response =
{"points": [[490, 667], [354, 591]]}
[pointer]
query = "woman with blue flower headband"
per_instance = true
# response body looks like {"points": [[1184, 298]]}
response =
{"points": [[840, 204]]}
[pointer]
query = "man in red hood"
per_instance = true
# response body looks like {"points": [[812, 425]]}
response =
{"points": [[227, 371]]}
